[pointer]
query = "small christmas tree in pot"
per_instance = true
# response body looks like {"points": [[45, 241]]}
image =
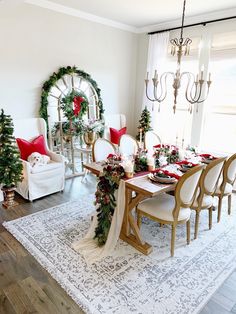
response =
{"points": [[144, 124], [10, 165]]}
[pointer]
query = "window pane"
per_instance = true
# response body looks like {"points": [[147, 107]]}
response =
{"points": [[219, 132]]}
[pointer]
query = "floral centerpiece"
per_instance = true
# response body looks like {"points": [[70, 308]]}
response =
{"points": [[170, 152], [140, 161]]}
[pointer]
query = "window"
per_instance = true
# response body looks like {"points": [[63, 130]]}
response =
{"points": [[219, 131]]}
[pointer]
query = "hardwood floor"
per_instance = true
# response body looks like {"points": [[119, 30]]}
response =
{"points": [[25, 287]]}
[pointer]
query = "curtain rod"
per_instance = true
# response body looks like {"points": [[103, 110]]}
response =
{"points": [[191, 25]]}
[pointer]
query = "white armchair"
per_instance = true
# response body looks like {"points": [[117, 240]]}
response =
{"points": [[40, 181]]}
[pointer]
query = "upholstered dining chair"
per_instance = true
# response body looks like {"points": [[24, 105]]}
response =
{"points": [[207, 187], [128, 145], [151, 139], [116, 121], [101, 149], [225, 187], [173, 210]]}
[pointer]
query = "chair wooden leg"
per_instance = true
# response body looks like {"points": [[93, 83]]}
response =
{"points": [[139, 219], [188, 231], [219, 209], [161, 225], [229, 203], [172, 249], [210, 218], [196, 224]]}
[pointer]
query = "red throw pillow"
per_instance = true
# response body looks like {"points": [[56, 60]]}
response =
{"points": [[116, 134], [27, 148]]}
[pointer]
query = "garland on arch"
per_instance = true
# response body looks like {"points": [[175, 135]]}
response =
{"points": [[57, 76]]}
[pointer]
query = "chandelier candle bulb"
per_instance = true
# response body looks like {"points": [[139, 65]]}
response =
{"points": [[147, 76], [155, 75]]}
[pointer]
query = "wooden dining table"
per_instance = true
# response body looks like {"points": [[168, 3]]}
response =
{"points": [[142, 188]]}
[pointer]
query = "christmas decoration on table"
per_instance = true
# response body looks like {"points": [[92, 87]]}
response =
{"points": [[144, 124], [170, 152], [10, 164], [107, 185], [185, 165], [165, 174], [140, 161], [114, 159]]}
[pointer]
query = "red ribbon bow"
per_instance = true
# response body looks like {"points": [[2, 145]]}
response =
{"points": [[77, 104]]}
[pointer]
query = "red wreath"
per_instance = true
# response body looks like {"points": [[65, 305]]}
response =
{"points": [[78, 100]]}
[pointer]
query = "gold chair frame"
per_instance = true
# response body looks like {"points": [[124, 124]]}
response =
{"points": [[222, 187], [178, 204], [204, 191], [93, 154]]}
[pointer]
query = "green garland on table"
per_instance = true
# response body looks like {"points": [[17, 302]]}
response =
{"points": [[105, 200], [57, 76]]}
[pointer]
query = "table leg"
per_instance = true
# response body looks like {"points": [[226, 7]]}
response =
{"points": [[130, 232]]}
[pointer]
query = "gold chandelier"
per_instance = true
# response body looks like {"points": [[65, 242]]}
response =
{"points": [[194, 89]]}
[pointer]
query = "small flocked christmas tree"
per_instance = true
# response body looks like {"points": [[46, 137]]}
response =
{"points": [[144, 124], [10, 165]]}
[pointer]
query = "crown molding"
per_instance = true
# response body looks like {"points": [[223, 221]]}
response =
{"points": [[81, 14], [137, 30], [189, 20]]}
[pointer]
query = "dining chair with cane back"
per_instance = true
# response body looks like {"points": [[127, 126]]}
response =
{"points": [[207, 187], [128, 145], [173, 210], [101, 149], [225, 187], [151, 139]]}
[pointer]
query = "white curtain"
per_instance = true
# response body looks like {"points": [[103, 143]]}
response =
{"points": [[157, 56]]}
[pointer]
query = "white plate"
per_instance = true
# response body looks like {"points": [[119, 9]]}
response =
{"points": [[160, 179]]}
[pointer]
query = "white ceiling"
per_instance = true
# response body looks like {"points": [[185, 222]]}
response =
{"points": [[143, 13]]}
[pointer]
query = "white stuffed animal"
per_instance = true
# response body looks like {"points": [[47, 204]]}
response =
{"points": [[37, 159]]}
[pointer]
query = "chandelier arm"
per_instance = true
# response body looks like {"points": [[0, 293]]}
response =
{"points": [[189, 97], [201, 101], [163, 76], [146, 91]]}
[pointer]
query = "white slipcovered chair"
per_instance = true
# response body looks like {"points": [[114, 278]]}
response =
{"points": [[115, 121], [46, 179], [207, 187], [128, 145], [101, 149], [225, 187], [151, 139], [173, 210]]}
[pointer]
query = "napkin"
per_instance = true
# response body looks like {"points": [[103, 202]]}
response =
{"points": [[185, 162], [207, 156], [166, 172]]}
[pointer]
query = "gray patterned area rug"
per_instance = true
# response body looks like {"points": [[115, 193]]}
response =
{"points": [[129, 282]]}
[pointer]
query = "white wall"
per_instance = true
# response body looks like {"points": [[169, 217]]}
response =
{"points": [[35, 42]]}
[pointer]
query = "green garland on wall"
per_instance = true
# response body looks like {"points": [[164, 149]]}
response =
{"points": [[57, 76]]}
